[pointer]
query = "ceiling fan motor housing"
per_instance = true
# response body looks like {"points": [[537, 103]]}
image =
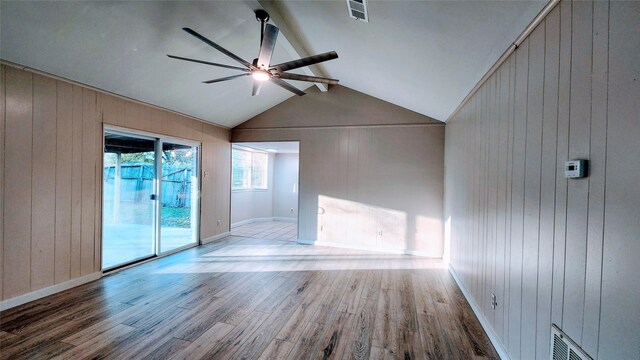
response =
{"points": [[262, 15]]}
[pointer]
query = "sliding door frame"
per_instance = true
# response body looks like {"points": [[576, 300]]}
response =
{"points": [[157, 188], [196, 222]]}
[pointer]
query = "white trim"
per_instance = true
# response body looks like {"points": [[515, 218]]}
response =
{"points": [[38, 294], [265, 219], [215, 238], [285, 219], [493, 337], [362, 247]]}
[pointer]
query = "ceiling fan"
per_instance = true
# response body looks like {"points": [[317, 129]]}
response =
{"points": [[261, 69]]}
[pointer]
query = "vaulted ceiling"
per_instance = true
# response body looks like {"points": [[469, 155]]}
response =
{"points": [[422, 55]]}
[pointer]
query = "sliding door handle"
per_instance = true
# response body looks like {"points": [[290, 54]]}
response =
{"points": [[153, 197]]}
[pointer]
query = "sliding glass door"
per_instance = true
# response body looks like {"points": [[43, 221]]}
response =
{"points": [[179, 210], [150, 197], [129, 209]]}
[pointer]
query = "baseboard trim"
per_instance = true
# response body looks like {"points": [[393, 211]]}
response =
{"points": [[493, 337], [285, 219], [266, 219], [50, 290], [215, 238], [250, 221], [359, 247]]}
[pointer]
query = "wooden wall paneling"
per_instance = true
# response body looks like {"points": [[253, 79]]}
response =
{"points": [[367, 218], [466, 266], [2, 180], [502, 134], [532, 191], [481, 197], [88, 181], [578, 190], [342, 158], [223, 149], [307, 229], [43, 185], [76, 181], [517, 228], [122, 113], [98, 170], [494, 142], [196, 129], [352, 186], [63, 162], [208, 214], [509, 195], [17, 182], [482, 200], [494, 156], [172, 123], [475, 206], [620, 314], [479, 272], [564, 96], [548, 173], [144, 118], [327, 183], [109, 108], [131, 115], [597, 149]]}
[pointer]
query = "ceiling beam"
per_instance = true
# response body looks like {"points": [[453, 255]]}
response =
{"points": [[288, 39]]}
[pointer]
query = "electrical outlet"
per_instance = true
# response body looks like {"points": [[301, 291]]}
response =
{"points": [[494, 301]]}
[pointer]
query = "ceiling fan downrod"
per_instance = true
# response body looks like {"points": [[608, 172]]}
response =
{"points": [[263, 17]]}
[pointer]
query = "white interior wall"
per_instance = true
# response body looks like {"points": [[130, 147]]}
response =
{"points": [[254, 204], [553, 250]]}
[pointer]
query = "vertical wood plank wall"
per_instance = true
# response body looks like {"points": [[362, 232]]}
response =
{"points": [[553, 250], [51, 156], [355, 182], [371, 173]]}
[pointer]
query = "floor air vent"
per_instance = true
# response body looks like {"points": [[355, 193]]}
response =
{"points": [[358, 9], [563, 348]]}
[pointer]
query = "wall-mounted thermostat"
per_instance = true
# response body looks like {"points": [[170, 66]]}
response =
{"points": [[575, 169]]}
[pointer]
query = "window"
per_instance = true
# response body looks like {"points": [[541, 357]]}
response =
{"points": [[248, 170]]}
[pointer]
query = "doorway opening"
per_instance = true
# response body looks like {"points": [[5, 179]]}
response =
{"points": [[264, 190], [150, 202]]}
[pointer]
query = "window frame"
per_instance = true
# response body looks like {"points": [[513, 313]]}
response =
{"points": [[250, 171]]}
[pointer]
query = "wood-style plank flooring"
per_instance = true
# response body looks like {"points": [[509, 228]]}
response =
{"points": [[244, 298]]}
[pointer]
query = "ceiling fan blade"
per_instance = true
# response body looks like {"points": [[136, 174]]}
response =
{"points": [[207, 63], [218, 47], [285, 85], [307, 78], [294, 64], [257, 85], [268, 43], [224, 78]]}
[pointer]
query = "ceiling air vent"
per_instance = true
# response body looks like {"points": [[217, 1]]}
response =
{"points": [[358, 9], [563, 348]]}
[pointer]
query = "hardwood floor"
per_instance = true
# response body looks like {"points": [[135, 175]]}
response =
{"points": [[269, 230], [244, 298]]}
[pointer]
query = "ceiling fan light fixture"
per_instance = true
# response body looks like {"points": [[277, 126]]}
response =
{"points": [[260, 75]]}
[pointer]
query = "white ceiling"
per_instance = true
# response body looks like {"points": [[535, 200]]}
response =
{"points": [[281, 147], [422, 55], [425, 56]]}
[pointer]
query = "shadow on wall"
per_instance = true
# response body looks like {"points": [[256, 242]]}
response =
{"points": [[349, 223]]}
